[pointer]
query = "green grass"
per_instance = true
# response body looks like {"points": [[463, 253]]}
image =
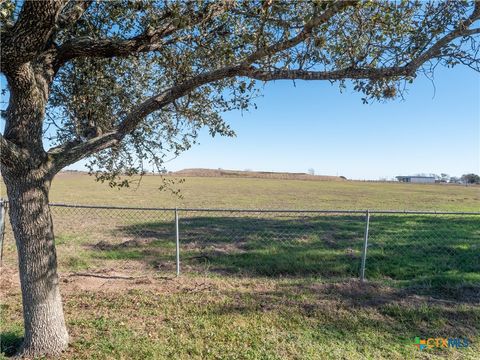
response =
{"points": [[430, 253], [10, 340], [260, 319], [256, 287]]}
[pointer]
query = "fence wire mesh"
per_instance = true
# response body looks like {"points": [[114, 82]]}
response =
{"points": [[272, 243], [110, 233], [427, 248]]}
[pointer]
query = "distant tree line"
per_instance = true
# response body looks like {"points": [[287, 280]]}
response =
{"points": [[464, 179], [470, 179]]}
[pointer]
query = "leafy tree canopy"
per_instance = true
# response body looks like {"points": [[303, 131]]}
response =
{"points": [[131, 82], [471, 178]]}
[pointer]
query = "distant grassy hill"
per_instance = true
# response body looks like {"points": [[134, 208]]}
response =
{"points": [[254, 174]]}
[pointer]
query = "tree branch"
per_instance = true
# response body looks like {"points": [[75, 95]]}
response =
{"points": [[461, 30], [306, 32], [75, 150], [361, 73], [74, 14], [470, 32], [30, 33], [150, 40], [347, 73], [10, 154]]}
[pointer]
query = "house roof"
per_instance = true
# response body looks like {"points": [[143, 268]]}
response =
{"points": [[416, 176]]}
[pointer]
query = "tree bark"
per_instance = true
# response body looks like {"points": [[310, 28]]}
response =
{"points": [[45, 330], [28, 172]]}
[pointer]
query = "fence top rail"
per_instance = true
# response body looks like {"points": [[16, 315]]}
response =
{"points": [[312, 211]]}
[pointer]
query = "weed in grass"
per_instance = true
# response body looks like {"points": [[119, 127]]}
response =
{"points": [[10, 342], [75, 262]]}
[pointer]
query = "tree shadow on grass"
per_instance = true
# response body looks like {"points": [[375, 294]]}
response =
{"points": [[356, 320], [255, 246], [425, 252], [352, 310], [10, 342], [430, 254]]}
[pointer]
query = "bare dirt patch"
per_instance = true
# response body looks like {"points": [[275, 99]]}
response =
{"points": [[9, 280]]}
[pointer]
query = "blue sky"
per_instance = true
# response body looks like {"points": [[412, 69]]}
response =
{"points": [[312, 125], [435, 129]]}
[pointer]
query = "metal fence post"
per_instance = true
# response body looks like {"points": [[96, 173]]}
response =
{"points": [[177, 240], [365, 245], [3, 205]]}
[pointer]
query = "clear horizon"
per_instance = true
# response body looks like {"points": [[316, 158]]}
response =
{"points": [[304, 125]]}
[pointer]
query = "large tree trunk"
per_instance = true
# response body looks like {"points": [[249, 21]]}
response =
{"points": [[45, 330], [28, 177]]}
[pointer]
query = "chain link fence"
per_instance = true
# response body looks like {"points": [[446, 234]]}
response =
{"points": [[272, 243], [393, 246]]}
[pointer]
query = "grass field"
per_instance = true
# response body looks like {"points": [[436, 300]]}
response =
{"points": [[218, 192], [261, 287]]}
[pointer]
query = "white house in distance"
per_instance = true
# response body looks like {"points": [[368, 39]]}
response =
{"points": [[417, 179]]}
